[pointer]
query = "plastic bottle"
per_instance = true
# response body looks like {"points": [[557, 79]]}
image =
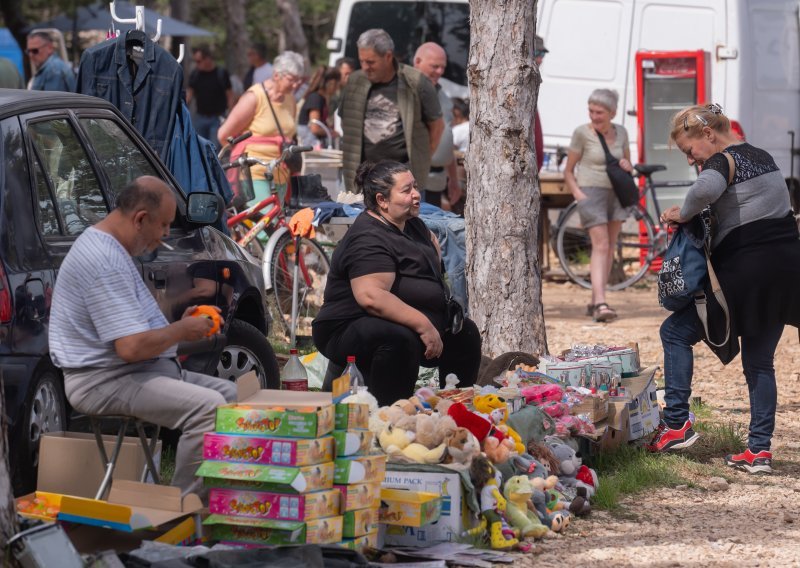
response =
{"points": [[356, 378], [294, 376]]}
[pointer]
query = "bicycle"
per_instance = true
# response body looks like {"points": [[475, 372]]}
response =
{"points": [[285, 258], [640, 242]]}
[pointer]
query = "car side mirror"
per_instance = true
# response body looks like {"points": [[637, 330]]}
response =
{"points": [[203, 208]]}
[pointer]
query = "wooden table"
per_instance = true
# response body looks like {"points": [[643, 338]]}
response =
{"points": [[555, 195]]}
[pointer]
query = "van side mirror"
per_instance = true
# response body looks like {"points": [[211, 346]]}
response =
{"points": [[203, 208], [334, 44]]}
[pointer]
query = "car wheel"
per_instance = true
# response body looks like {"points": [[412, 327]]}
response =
{"points": [[248, 350], [45, 411]]}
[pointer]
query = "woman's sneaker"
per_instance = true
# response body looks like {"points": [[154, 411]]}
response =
{"points": [[667, 438], [750, 462]]}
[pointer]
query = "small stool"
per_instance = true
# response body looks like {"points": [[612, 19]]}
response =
{"points": [[110, 464]]}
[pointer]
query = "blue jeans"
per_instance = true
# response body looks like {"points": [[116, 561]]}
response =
{"points": [[207, 127], [679, 332]]}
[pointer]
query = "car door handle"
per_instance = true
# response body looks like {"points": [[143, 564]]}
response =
{"points": [[159, 278]]}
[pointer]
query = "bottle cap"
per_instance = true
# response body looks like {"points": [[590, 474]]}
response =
{"points": [[292, 351], [351, 358]]}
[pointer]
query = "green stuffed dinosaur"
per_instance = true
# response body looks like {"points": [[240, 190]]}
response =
{"points": [[518, 492]]}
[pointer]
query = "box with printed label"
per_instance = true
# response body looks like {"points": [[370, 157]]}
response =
{"points": [[642, 399], [353, 442], [264, 505], [276, 413], [360, 522], [409, 508], [359, 496], [453, 520], [269, 477], [361, 542], [360, 469], [352, 415], [268, 451], [273, 532]]}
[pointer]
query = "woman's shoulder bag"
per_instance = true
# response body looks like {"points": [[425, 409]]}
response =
{"points": [[622, 182]]}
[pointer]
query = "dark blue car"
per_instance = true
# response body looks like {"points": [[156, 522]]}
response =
{"points": [[64, 157]]}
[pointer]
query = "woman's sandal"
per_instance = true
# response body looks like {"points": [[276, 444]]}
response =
{"points": [[590, 310], [603, 313]]}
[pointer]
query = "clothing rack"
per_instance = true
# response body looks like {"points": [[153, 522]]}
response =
{"points": [[138, 21]]}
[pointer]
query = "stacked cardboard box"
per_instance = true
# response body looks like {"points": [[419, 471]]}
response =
{"points": [[358, 474], [270, 469]]}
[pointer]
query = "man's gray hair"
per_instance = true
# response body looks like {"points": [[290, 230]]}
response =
{"points": [[289, 62], [42, 35], [377, 40], [605, 98]]}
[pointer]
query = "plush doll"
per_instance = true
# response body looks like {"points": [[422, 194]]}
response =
{"points": [[586, 479], [494, 443], [433, 429], [497, 409], [518, 492], [396, 441], [492, 504], [556, 521], [544, 455], [568, 462], [462, 448]]}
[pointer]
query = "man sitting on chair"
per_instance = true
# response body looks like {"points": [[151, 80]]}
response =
{"points": [[113, 343]]}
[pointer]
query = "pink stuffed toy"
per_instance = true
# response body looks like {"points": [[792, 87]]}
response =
{"points": [[539, 394]]}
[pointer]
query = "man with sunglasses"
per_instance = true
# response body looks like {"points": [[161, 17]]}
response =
{"points": [[52, 72]]}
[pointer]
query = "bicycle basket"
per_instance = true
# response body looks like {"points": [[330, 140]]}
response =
{"points": [[307, 191]]}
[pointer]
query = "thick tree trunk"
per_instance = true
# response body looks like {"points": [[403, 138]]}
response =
{"points": [[503, 197], [8, 511], [238, 40], [293, 37]]}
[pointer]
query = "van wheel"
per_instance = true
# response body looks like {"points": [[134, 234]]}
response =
{"points": [[248, 350], [45, 411]]}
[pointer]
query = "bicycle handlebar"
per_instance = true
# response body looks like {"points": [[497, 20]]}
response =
{"points": [[243, 136]]}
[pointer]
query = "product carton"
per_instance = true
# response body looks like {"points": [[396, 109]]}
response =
{"points": [[267, 477], [360, 469], [264, 505], [276, 413], [609, 434], [361, 542], [359, 496], [595, 406], [409, 508], [360, 522], [352, 415], [267, 451], [274, 532], [353, 442], [454, 518], [642, 400]]}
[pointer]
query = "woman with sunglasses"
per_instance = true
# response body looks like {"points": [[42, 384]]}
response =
{"points": [[598, 207], [755, 253], [268, 110]]}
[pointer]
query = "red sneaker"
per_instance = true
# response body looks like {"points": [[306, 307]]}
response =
{"points": [[667, 438], [750, 462]]}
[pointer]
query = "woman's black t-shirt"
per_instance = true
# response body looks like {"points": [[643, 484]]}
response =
{"points": [[314, 101], [370, 247]]}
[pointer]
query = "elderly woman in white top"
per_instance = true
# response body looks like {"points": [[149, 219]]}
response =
{"points": [[600, 211]]}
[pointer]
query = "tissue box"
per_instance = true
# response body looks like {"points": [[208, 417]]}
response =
{"points": [[409, 508], [263, 505], [360, 522], [360, 469], [353, 442], [268, 477], [359, 496], [273, 532], [352, 415], [268, 451], [360, 543]]}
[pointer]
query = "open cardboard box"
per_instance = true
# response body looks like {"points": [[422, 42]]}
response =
{"points": [[275, 412]]}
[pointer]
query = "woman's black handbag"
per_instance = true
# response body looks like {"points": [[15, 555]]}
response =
{"points": [[622, 182]]}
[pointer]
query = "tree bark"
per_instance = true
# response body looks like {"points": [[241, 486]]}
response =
{"points": [[293, 37], [503, 196], [8, 510], [238, 40]]}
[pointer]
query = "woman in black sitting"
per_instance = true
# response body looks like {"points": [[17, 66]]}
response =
{"points": [[385, 300]]}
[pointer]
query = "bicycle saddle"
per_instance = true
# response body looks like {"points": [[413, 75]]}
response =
{"points": [[647, 169]]}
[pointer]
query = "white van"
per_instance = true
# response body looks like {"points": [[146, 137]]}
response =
{"points": [[752, 46]]}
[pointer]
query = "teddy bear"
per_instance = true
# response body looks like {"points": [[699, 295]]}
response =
{"points": [[556, 521], [462, 448], [494, 443], [496, 408], [397, 441], [518, 493], [433, 429]]}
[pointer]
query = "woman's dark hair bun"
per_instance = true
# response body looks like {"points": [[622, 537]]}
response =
{"points": [[362, 172]]}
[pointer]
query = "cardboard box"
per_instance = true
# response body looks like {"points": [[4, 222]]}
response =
{"points": [[359, 496], [273, 532], [360, 522], [268, 451], [610, 433], [409, 508], [265, 505], [361, 542], [595, 406], [276, 413], [70, 464], [454, 518], [353, 442], [642, 400], [360, 469], [268, 477], [351, 416]]}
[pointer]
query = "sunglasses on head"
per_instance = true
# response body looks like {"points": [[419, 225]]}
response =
{"points": [[713, 108]]}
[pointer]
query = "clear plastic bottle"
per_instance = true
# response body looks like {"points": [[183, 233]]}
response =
{"points": [[356, 378], [294, 376]]}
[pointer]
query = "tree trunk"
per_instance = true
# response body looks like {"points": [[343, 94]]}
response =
{"points": [[503, 196], [238, 40], [294, 38], [8, 510]]}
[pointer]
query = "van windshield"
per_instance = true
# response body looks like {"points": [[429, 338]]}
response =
{"points": [[413, 23]]}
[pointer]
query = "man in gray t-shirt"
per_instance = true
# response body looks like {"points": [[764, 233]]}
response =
{"points": [[108, 335]]}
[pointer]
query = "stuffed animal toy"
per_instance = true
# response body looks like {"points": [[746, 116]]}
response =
{"points": [[492, 504], [394, 440], [544, 455], [556, 521], [496, 407], [462, 448], [384, 416], [433, 429], [568, 462], [586, 478], [526, 464], [518, 492], [494, 443]]}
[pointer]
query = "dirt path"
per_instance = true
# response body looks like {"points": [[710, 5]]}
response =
{"points": [[756, 522]]}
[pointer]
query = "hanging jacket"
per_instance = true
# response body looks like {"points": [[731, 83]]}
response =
{"points": [[150, 100]]}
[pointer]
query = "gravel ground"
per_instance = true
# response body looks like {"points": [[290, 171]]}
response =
{"points": [[754, 522]]}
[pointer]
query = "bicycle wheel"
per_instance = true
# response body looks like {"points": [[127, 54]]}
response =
{"points": [[255, 246], [313, 270], [632, 256]]}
